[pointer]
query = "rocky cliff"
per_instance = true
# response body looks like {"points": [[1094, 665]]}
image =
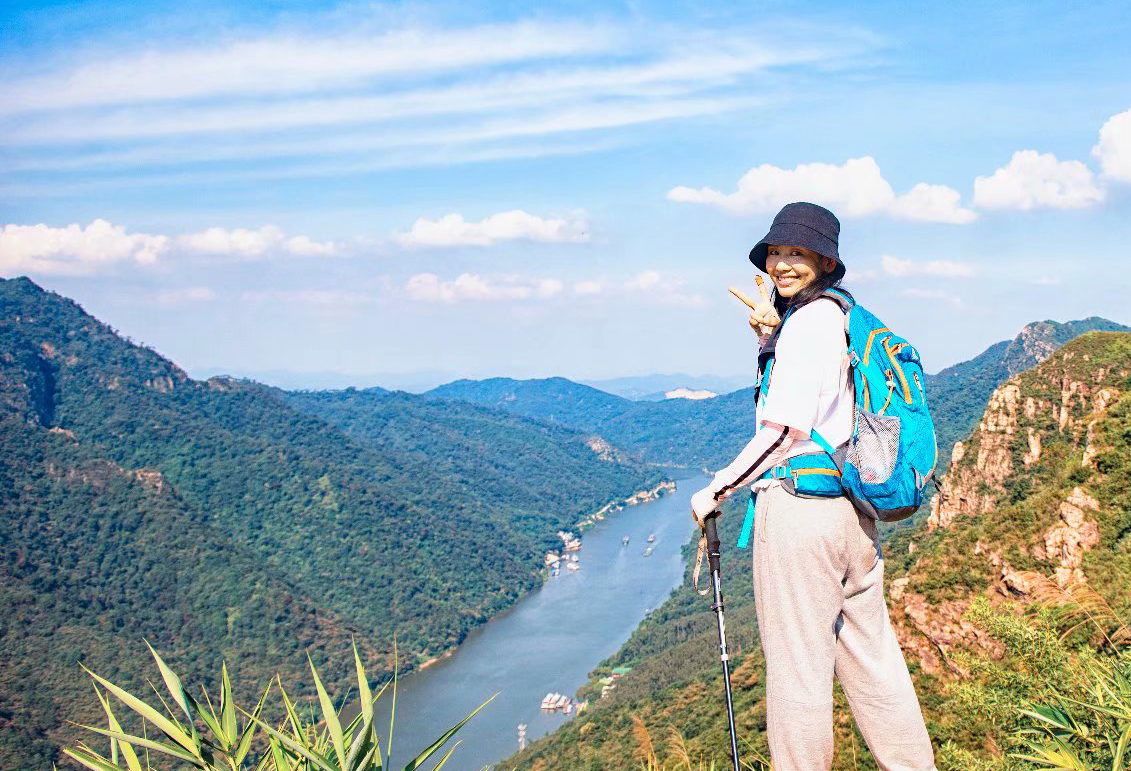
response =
{"points": [[1036, 489]]}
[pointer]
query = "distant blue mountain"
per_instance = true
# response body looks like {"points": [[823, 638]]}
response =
{"points": [[652, 387]]}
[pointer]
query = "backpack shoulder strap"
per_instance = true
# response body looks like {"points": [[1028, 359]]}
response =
{"points": [[841, 298]]}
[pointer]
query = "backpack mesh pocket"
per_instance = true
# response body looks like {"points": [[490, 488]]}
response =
{"points": [[875, 448]]}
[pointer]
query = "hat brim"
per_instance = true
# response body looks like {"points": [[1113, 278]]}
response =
{"points": [[796, 234]]}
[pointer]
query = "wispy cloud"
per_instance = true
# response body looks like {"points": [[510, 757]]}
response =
{"points": [[284, 103], [454, 230], [856, 188], [428, 287], [286, 63], [253, 243], [653, 286], [937, 295], [330, 298], [650, 287], [191, 294], [899, 266]]}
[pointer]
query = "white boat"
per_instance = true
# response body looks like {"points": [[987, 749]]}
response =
{"points": [[651, 537], [624, 541], [648, 552]]}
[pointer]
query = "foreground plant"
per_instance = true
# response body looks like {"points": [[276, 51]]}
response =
{"points": [[218, 739], [1059, 698], [679, 757]]}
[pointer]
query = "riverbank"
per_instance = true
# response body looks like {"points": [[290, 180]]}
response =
{"points": [[552, 638], [640, 496], [664, 487]]}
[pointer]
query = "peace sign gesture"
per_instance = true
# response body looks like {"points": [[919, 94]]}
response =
{"points": [[764, 318]]}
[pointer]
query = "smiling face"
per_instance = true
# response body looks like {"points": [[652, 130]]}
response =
{"points": [[793, 268]]}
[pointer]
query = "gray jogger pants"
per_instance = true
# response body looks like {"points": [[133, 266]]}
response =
{"points": [[819, 596]]}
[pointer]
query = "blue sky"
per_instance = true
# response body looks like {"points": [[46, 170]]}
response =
{"points": [[560, 189]]}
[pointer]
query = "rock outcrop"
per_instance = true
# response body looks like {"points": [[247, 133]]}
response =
{"points": [[1019, 501]]}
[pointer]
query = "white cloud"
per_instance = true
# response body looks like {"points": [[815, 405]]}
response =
{"points": [[1114, 147], [856, 188], [931, 203], [74, 250], [1038, 180], [77, 250], [453, 230], [428, 287], [938, 295], [898, 266], [243, 242]]}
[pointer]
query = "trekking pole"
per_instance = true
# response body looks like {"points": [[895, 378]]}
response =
{"points": [[712, 536]]}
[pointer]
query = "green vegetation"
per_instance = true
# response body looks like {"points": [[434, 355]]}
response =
{"points": [[1058, 696], [219, 516], [209, 735]]}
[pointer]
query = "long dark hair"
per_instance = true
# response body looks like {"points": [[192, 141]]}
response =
{"points": [[808, 294]]}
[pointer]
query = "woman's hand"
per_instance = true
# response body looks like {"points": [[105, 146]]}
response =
{"points": [[763, 316], [703, 504]]}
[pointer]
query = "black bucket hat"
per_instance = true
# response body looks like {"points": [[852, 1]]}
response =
{"points": [[802, 224]]}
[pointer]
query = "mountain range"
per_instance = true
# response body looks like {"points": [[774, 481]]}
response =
{"points": [[225, 518], [710, 432]]}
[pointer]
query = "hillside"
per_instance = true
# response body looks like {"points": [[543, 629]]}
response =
{"points": [[484, 453], [1041, 485], [122, 474]]}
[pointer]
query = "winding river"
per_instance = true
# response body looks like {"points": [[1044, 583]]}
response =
{"points": [[549, 641]]}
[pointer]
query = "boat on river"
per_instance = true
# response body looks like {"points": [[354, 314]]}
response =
{"points": [[552, 702]]}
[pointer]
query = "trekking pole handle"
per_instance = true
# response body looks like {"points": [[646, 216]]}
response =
{"points": [[713, 543]]}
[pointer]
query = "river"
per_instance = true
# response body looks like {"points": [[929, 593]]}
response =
{"points": [[548, 641]]}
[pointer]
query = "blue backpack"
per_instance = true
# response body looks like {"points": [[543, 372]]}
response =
{"points": [[887, 463]]}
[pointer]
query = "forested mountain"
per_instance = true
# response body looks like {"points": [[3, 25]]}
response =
{"points": [[486, 454], [217, 518], [1040, 488], [711, 432]]}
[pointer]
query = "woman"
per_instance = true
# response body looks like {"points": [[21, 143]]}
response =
{"points": [[818, 562]]}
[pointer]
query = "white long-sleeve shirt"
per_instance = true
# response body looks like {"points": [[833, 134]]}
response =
{"points": [[810, 388]]}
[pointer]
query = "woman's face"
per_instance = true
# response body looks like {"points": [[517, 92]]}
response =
{"points": [[793, 268]]}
